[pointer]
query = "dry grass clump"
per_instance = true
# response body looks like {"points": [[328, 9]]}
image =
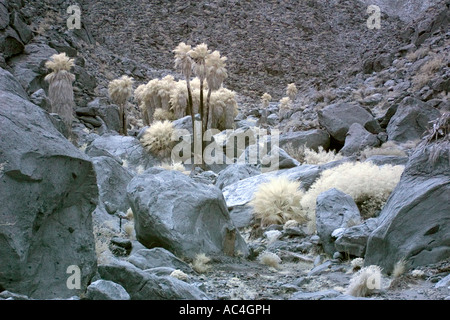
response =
{"points": [[200, 263], [418, 54], [365, 281], [161, 115], [269, 259], [176, 166], [285, 107], [368, 185], [389, 148], [310, 156], [357, 263], [278, 201], [399, 268], [291, 91], [158, 138], [429, 69]]}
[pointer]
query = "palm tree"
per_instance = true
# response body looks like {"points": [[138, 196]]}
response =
{"points": [[183, 62], [216, 74], [119, 91], [60, 91], [265, 101], [198, 55], [291, 91]]}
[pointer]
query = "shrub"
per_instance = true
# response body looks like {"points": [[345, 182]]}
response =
{"points": [[368, 185], [310, 156], [269, 259], [399, 268], [291, 91], [363, 282], [388, 148], [357, 263], [161, 115], [200, 263], [158, 138], [428, 70], [278, 201]]}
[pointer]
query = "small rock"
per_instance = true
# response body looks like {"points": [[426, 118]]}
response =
{"points": [[106, 290]]}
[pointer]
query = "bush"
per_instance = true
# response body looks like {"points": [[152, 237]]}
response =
{"points": [[158, 138], [368, 185], [364, 281], [278, 201], [310, 156]]}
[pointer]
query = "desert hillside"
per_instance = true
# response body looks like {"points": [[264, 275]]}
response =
{"points": [[324, 173]]}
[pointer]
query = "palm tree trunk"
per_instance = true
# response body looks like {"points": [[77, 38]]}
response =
{"points": [[123, 120], [208, 117]]}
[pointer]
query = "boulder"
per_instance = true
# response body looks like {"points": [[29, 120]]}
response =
{"points": [[183, 216], [353, 240], [158, 257], [127, 150], [411, 120], [10, 43], [312, 139], [358, 139], [22, 28], [334, 210], [415, 222], [112, 181], [106, 290], [235, 172], [381, 160], [337, 119], [40, 98], [109, 113], [29, 68], [142, 285], [48, 191]]}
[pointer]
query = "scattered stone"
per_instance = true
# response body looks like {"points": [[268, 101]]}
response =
{"points": [[106, 290]]}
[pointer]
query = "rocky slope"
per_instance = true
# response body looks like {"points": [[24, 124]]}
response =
{"points": [[359, 88]]}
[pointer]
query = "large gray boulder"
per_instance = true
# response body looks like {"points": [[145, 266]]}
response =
{"points": [[185, 217], [112, 181], [415, 222], [234, 173], [312, 139], [142, 285], [411, 120], [127, 150], [10, 43], [337, 119], [48, 191], [353, 241], [334, 209], [358, 139]]}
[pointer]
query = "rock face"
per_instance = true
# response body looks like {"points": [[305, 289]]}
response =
{"points": [[185, 217], [415, 222], [334, 210], [337, 119], [411, 120], [158, 257], [48, 190]]}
